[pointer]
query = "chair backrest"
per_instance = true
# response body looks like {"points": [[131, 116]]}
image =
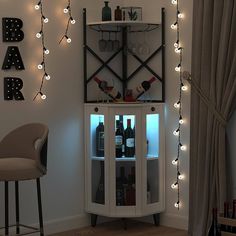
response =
{"points": [[27, 141]]}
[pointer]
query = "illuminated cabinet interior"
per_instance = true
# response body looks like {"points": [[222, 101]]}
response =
{"points": [[125, 158]]}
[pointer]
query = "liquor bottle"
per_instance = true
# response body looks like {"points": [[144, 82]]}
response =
{"points": [[129, 140], [118, 13], [100, 194], [234, 215], [121, 185], [106, 12], [122, 131], [144, 86], [226, 215], [100, 139], [118, 139], [110, 91], [130, 191], [214, 230]]}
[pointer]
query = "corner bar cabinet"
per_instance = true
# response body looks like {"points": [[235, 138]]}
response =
{"points": [[124, 186]]}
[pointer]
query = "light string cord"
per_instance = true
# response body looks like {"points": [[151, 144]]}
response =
{"points": [[42, 66], [70, 21], [178, 104]]}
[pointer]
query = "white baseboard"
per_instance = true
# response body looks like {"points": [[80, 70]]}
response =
{"points": [[174, 221], [66, 224]]}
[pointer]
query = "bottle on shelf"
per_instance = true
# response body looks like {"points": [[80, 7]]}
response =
{"points": [[214, 230], [118, 13], [110, 91], [144, 86], [121, 185], [122, 131], [118, 139], [226, 215], [100, 139], [129, 137], [130, 191], [234, 215], [100, 194], [106, 12]]}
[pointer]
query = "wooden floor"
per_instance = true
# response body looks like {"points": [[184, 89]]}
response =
{"points": [[134, 228]]}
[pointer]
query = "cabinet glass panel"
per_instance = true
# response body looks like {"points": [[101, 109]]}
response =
{"points": [[125, 160], [152, 181], [152, 136], [97, 138], [125, 184], [98, 182]]}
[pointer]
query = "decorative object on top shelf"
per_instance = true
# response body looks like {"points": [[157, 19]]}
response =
{"points": [[178, 105], [132, 13], [70, 21], [45, 50], [118, 13], [106, 12]]}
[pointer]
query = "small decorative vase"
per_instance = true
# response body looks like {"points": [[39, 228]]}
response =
{"points": [[118, 13], [106, 12]]}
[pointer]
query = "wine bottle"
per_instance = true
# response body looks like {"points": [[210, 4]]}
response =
{"points": [[129, 140], [100, 139], [110, 91], [234, 215], [122, 131], [121, 185], [118, 13], [100, 194], [130, 191], [214, 230], [144, 86], [118, 139]]}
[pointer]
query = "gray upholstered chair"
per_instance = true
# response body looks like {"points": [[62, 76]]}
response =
{"points": [[23, 156]]}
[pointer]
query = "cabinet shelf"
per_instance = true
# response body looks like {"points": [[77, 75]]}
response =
{"points": [[123, 23], [94, 158]]}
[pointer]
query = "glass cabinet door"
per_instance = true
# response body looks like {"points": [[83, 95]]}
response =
{"points": [[97, 141], [152, 157], [125, 185]]}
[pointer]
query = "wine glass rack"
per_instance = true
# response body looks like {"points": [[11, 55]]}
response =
{"points": [[124, 28]]}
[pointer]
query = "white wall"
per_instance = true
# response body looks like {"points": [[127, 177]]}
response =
{"points": [[62, 188]]}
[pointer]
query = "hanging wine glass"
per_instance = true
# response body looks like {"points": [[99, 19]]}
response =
{"points": [[145, 46], [116, 43], [102, 43]]}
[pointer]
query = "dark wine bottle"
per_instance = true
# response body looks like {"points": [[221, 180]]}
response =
{"points": [[130, 191], [100, 194], [100, 139], [121, 184], [129, 140], [234, 215], [119, 139], [214, 230], [110, 91], [144, 86], [122, 131]]}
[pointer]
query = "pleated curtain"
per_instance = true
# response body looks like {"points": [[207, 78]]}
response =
{"points": [[213, 100]]}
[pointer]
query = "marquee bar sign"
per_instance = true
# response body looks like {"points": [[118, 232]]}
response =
{"points": [[12, 32]]}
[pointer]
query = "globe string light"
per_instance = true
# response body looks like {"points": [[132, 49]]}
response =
{"points": [[178, 104], [45, 50], [71, 20]]}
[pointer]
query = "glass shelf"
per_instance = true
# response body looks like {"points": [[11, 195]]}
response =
{"points": [[126, 159], [123, 23]]}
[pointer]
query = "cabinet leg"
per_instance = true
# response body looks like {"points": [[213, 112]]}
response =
{"points": [[156, 219], [93, 220], [124, 223]]}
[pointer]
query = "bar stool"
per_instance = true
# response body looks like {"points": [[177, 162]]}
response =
{"points": [[23, 156]]}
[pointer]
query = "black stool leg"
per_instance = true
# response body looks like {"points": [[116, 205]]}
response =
{"points": [[6, 209], [17, 207], [40, 208]]}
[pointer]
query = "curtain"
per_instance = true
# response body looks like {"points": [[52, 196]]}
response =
{"points": [[213, 101]]}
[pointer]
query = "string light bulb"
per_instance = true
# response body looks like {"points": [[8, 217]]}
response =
{"points": [[182, 147], [178, 68], [174, 185], [39, 35], [180, 15], [176, 44], [184, 87], [180, 177], [177, 204], [37, 6], [174, 2], [178, 49], [66, 10], [181, 121], [40, 66], [176, 132], [46, 51], [175, 162], [174, 25], [72, 21], [177, 104], [43, 96], [45, 20], [47, 77]]}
